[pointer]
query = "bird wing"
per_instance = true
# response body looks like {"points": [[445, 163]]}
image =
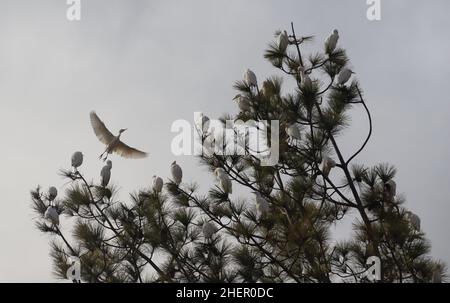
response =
{"points": [[128, 152], [100, 130]]}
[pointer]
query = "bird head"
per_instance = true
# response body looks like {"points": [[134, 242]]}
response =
{"points": [[109, 163], [335, 32], [122, 130], [174, 162], [237, 97]]}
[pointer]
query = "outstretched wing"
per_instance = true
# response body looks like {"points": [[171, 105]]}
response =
{"points": [[100, 130], [128, 152]]}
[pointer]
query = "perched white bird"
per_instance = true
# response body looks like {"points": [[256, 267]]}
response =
{"points": [[157, 184], [113, 143], [331, 42], [262, 206], [202, 123], [390, 188], [293, 132], [242, 102], [209, 229], [77, 160], [219, 171], [327, 165], [250, 78], [283, 41], [52, 193], [223, 180], [344, 76], [414, 220], [177, 173], [105, 173], [52, 215]]}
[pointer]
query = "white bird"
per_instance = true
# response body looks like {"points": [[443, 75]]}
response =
{"points": [[202, 123], [105, 173], [77, 160], [414, 220], [157, 184], [283, 41], [51, 214], [262, 206], [219, 171], [344, 76], [250, 78], [242, 102], [52, 193], [177, 173], [293, 132], [209, 229], [113, 143], [224, 180], [331, 42], [327, 165]]}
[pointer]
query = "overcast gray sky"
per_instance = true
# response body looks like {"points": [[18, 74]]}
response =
{"points": [[143, 64]]}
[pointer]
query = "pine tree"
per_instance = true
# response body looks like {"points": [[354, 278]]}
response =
{"points": [[281, 231]]}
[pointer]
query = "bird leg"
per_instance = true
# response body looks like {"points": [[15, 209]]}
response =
{"points": [[106, 157]]}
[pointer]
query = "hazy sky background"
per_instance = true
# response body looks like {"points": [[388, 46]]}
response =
{"points": [[143, 64]]}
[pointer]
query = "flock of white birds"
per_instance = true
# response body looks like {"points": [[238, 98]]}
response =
{"points": [[262, 205]]}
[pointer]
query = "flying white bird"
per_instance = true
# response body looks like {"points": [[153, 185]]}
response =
{"points": [[283, 41], [52, 193], [262, 206], [242, 102], [293, 132], [224, 180], [113, 143], [177, 173], [250, 78], [52, 215], [331, 42], [414, 220], [157, 184], [344, 76], [77, 160], [327, 165], [209, 229], [105, 173]]}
